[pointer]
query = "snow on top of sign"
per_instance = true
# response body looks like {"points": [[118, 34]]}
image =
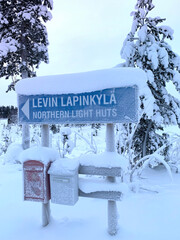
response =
{"points": [[105, 159], [89, 184], [42, 154], [83, 82]]}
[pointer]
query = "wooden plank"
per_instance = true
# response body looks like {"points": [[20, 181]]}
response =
{"points": [[108, 195], [102, 171]]}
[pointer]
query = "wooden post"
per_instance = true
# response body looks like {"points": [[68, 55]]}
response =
{"points": [[45, 214], [25, 136], [112, 208], [45, 135], [45, 206]]}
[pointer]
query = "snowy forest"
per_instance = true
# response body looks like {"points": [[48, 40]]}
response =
{"points": [[6, 112], [150, 148]]}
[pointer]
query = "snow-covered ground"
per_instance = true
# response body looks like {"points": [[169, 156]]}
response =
{"points": [[142, 215]]}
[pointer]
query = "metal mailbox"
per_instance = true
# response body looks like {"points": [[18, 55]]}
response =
{"points": [[36, 181], [64, 187]]}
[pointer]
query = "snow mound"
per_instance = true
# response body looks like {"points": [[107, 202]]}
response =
{"points": [[42, 154], [89, 184], [12, 154], [105, 159], [84, 82], [63, 166]]}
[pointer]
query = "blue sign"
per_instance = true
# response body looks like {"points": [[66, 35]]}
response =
{"points": [[113, 105]]}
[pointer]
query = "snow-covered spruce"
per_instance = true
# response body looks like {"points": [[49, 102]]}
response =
{"points": [[23, 41], [23, 36], [145, 47]]}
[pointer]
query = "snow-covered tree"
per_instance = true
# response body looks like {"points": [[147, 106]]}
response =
{"points": [[23, 36], [146, 47], [23, 41], [66, 145]]}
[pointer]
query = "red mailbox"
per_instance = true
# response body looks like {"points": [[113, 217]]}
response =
{"points": [[36, 181]]}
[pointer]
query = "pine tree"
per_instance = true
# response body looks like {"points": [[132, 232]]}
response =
{"points": [[146, 47], [23, 41], [23, 36]]}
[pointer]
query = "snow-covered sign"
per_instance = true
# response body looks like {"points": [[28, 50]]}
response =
{"points": [[104, 96], [105, 106]]}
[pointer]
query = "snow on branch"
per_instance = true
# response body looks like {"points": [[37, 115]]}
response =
{"points": [[153, 159]]}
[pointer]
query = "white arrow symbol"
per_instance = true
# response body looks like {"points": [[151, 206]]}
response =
{"points": [[25, 109]]}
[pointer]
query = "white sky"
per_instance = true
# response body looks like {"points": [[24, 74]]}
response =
{"points": [[87, 35]]}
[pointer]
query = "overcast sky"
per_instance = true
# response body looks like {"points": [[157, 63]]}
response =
{"points": [[86, 35]]}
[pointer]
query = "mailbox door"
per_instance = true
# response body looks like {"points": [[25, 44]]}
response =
{"points": [[64, 189], [34, 181]]}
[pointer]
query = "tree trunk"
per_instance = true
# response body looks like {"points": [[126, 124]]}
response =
{"points": [[25, 127], [144, 146]]}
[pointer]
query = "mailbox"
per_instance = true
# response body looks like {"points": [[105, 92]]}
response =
{"points": [[36, 181], [64, 185]]}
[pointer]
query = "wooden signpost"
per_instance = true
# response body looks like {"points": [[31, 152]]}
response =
{"points": [[113, 105], [45, 206]]}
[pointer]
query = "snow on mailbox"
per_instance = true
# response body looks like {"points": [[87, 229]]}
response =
{"points": [[64, 181], [36, 162]]}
